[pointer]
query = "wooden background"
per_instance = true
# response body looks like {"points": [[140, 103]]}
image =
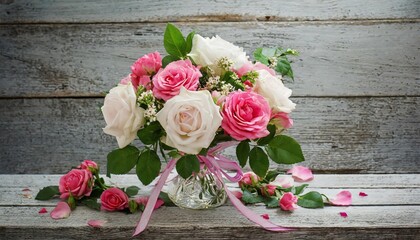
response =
{"points": [[357, 80]]}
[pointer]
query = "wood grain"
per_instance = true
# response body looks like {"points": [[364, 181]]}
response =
{"points": [[25, 11], [361, 59], [338, 135]]}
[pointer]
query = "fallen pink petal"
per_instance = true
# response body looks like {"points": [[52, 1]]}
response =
{"points": [[343, 214], [237, 194], [43, 210], [265, 216], [301, 174], [26, 190], [62, 210], [96, 223], [143, 201], [362, 194], [343, 198]]}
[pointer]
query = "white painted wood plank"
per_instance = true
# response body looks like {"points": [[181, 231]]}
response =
{"points": [[25, 11], [361, 59]]}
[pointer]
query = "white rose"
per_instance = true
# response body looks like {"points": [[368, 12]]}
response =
{"points": [[208, 51], [190, 120], [273, 89], [122, 115]]}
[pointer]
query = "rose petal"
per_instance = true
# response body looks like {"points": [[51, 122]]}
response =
{"points": [[96, 223], [284, 181], [301, 174], [62, 210], [143, 201], [343, 198], [343, 214], [362, 194], [237, 194], [43, 210], [26, 190], [265, 216]]}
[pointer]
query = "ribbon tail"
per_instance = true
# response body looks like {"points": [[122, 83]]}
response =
{"points": [[145, 217], [252, 216]]}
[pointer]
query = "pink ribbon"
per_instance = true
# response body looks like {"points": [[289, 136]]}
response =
{"points": [[216, 164]]}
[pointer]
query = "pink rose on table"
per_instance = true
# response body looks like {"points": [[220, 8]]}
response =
{"points": [[114, 199], [247, 67], [145, 67], [248, 179], [168, 82], [288, 202], [88, 165], [245, 115], [268, 190], [77, 182]]}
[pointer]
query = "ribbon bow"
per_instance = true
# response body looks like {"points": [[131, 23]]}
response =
{"points": [[218, 165]]}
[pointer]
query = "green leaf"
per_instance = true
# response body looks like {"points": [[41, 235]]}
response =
{"points": [[174, 154], [299, 189], [96, 192], [260, 57], [132, 191], [286, 150], [258, 161], [150, 133], [265, 140], [47, 193], [311, 200], [174, 41], [148, 166], [121, 161], [133, 206], [271, 175], [271, 202], [164, 196], [168, 59], [249, 197], [242, 152], [283, 67], [91, 203], [189, 42], [186, 165]]}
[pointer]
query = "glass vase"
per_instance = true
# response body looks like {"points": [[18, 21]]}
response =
{"points": [[199, 191]]}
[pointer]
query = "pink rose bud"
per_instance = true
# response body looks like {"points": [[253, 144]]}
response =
{"points": [[114, 199], [247, 67], [245, 115], [248, 179], [288, 202], [281, 120], [145, 67], [89, 165], [77, 182], [268, 190], [167, 82]]}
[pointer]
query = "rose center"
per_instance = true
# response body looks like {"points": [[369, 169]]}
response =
{"points": [[189, 119]]}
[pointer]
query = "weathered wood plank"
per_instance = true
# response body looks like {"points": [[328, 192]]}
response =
{"points": [[347, 59], [220, 223], [324, 181], [24, 11], [338, 135]]}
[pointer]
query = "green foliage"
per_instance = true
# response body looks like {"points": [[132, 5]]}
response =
{"points": [[47, 193], [121, 161], [311, 200], [150, 133], [91, 203], [168, 59], [164, 196], [242, 152], [189, 42], [250, 198], [258, 161], [132, 191], [271, 202], [148, 166], [186, 165], [174, 41], [283, 67], [271, 175], [277, 56], [265, 140], [299, 189], [284, 149]]}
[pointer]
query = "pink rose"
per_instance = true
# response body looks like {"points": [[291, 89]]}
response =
{"points": [[248, 179], [245, 115], [77, 182], [288, 202], [268, 190], [89, 165], [167, 82], [281, 120], [114, 199], [145, 67], [247, 67]]}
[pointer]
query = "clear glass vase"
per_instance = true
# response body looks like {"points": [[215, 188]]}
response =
{"points": [[200, 191]]}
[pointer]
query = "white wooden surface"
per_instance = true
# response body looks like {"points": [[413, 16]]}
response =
{"points": [[390, 211]]}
